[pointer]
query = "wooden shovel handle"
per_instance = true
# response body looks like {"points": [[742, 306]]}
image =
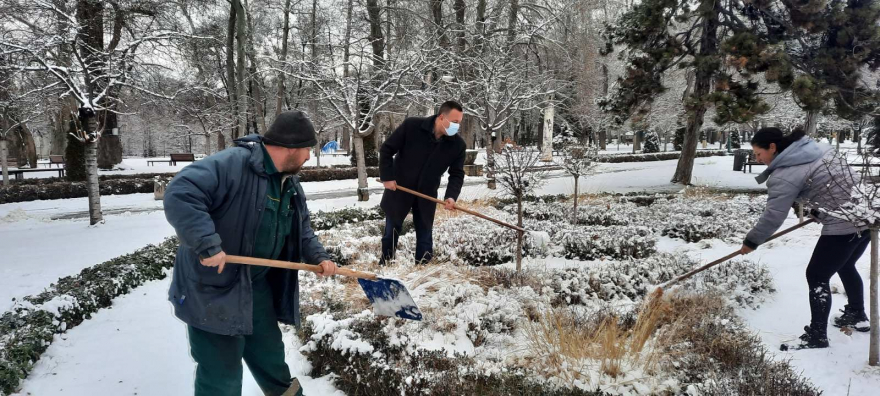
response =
{"points": [[296, 266], [470, 212], [736, 253]]}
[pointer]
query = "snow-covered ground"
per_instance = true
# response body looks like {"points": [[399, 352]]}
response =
{"points": [[137, 346], [36, 253], [68, 245], [841, 369]]}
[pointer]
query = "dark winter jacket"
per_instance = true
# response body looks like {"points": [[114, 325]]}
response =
{"points": [[414, 158], [808, 173], [217, 203]]}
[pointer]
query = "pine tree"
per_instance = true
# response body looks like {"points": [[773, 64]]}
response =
{"points": [[735, 139], [820, 51], [660, 35], [678, 140], [652, 142]]}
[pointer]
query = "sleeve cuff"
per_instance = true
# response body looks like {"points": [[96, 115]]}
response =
{"points": [[750, 244], [210, 252]]}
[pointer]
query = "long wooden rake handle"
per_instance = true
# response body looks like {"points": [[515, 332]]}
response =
{"points": [[296, 266], [734, 254], [470, 212]]}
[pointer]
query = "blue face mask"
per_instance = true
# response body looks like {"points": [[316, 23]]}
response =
{"points": [[452, 130]]}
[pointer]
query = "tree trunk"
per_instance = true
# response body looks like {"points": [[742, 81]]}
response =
{"points": [[603, 132], [637, 141], [221, 142], [241, 84], [519, 236], [490, 159], [460, 7], [437, 16], [61, 125], [363, 191], [109, 145], [30, 147], [429, 104], [857, 136], [231, 84], [3, 163], [811, 122], [574, 218], [512, 17], [346, 56], [259, 112], [377, 39], [665, 141], [874, 351], [547, 140], [92, 186], [481, 25], [279, 96], [313, 49], [697, 103]]}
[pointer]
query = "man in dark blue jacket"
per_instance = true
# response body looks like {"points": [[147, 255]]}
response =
{"points": [[415, 156], [243, 201]]}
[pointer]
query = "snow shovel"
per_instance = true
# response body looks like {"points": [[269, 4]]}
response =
{"points": [[389, 297], [674, 281]]}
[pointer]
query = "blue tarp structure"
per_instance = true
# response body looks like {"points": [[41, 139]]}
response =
{"points": [[330, 147]]}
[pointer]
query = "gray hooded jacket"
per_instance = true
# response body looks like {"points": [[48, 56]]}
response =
{"points": [[809, 173]]}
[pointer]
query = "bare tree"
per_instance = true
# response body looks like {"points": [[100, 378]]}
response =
{"points": [[518, 176], [366, 92], [100, 70], [577, 161]]}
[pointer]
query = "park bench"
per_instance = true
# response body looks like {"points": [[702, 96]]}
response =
{"points": [[19, 173], [175, 158], [56, 160], [12, 162]]}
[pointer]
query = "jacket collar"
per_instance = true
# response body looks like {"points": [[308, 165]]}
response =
{"points": [[254, 143]]}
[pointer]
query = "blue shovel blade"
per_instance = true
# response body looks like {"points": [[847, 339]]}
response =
{"points": [[390, 298]]}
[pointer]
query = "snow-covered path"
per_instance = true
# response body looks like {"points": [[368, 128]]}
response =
{"points": [[138, 347], [841, 369]]}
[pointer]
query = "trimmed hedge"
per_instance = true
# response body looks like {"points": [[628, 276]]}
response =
{"points": [[30, 326], [64, 190], [612, 242], [426, 373], [322, 221], [55, 188], [618, 158]]}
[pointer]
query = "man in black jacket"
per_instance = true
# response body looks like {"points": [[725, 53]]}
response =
{"points": [[415, 156]]}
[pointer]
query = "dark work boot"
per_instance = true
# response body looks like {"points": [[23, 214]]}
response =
{"points": [[294, 390], [855, 319], [812, 338]]}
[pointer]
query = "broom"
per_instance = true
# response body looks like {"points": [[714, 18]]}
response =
{"points": [[659, 291]]}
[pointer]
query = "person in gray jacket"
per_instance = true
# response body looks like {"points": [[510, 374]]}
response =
{"points": [[244, 201], [800, 171]]}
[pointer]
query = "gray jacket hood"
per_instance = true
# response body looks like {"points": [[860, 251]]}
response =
{"points": [[803, 151]]}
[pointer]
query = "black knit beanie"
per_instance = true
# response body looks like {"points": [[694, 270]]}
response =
{"points": [[291, 129]]}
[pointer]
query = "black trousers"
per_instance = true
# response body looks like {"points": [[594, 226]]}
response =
{"points": [[424, 237], [835, 254]]}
